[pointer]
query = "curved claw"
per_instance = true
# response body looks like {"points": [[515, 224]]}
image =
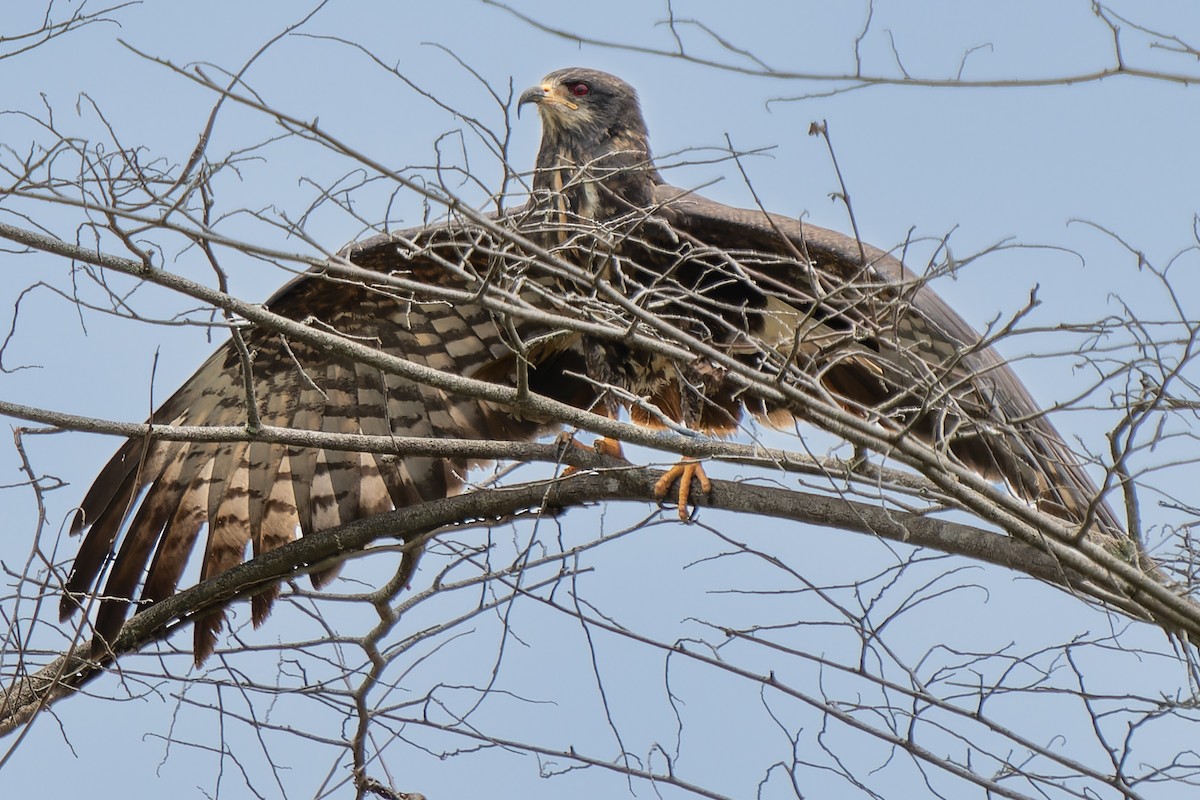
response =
{"points": [[685, 472]]}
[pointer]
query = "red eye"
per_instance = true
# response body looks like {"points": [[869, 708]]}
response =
{"points": [[580, 89]]}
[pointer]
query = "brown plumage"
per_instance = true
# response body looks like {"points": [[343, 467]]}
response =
{"points": [[848, 323], [783, 297], [261, 494]]}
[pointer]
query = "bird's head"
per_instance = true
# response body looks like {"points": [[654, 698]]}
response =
{"points": [[592, 120], [585, 103]]}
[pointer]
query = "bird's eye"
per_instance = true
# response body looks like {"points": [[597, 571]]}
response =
{"points": [[580, 89]]}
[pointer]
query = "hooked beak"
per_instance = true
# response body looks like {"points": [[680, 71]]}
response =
{"points": [[533, 94], [546, 93]]}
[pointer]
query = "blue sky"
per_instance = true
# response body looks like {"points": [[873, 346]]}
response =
{"points": [[987, 165]]}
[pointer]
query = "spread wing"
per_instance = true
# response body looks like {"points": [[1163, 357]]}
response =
{"points": [[147, 507], [845, 321], [889, 347]]}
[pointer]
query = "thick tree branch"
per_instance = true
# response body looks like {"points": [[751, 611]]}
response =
{"points": [[607, 483]]}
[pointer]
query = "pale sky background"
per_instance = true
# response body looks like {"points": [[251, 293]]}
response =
{"points": [[990, 165]]}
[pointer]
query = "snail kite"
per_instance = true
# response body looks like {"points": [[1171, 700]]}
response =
{"points": [[603, 240]]}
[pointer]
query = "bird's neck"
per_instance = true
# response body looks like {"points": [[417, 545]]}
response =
{"points": [[594, 178]]}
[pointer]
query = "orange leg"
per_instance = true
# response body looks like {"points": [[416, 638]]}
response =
{"points": [[685, 472]]}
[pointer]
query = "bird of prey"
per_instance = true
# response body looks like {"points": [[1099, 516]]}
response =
{"points": [[603, 240]]}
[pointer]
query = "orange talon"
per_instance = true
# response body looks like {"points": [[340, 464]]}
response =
{"points": [[603, 446], [685, 472], [609, 447]]}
